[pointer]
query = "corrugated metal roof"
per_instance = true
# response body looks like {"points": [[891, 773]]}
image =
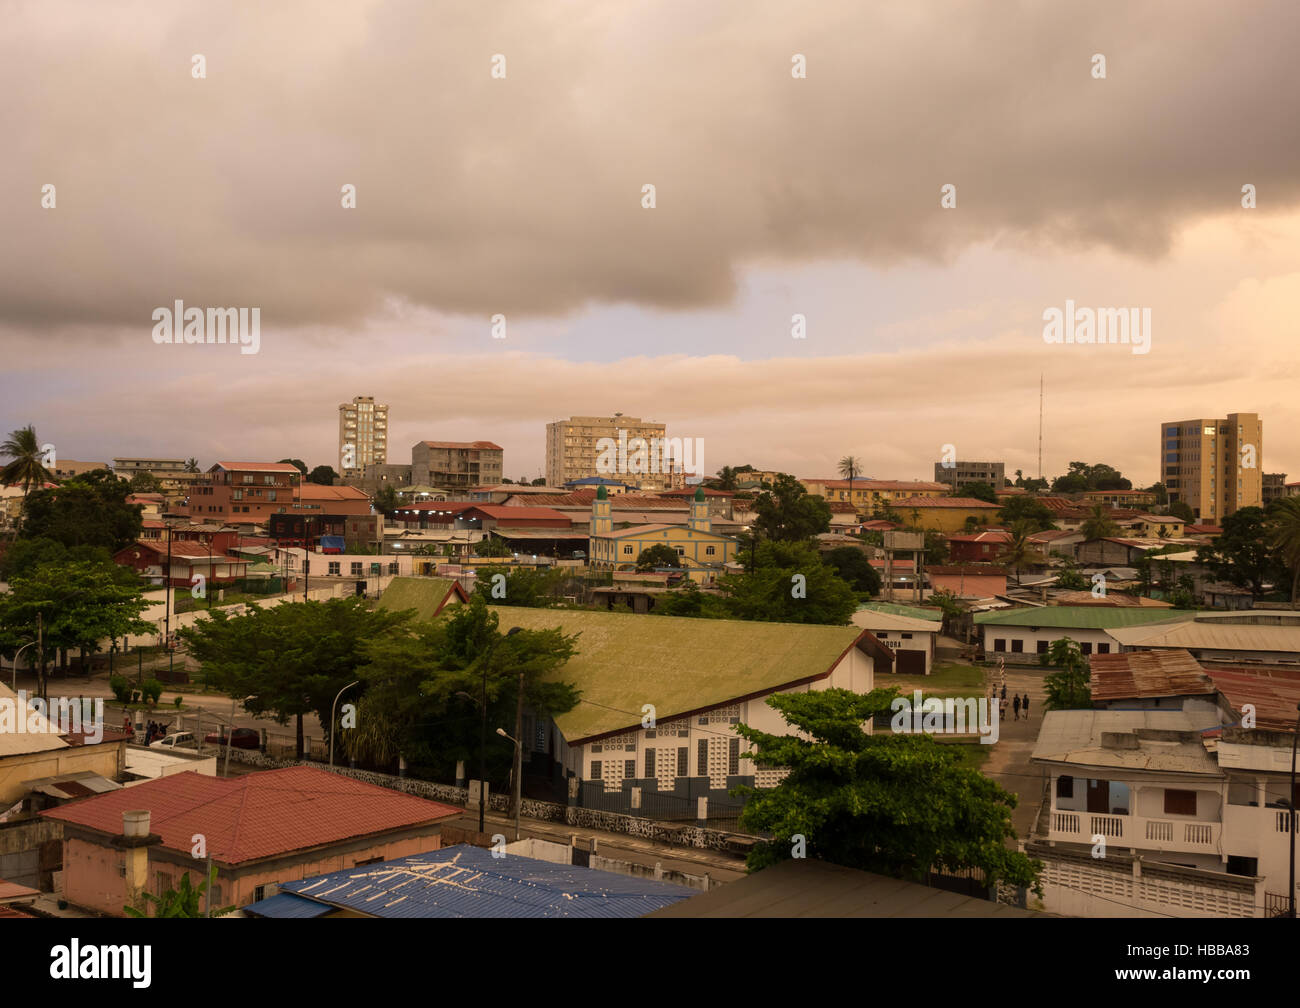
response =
{"points": [[1076, 617], [287, 905], [1274, 692], [1211, 636], [1148, 674], [465, 881]]}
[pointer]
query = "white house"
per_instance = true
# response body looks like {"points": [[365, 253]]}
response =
{"points": [[910, 632]]}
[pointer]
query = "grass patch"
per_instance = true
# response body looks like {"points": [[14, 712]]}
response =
{"points": [[948, 679]]}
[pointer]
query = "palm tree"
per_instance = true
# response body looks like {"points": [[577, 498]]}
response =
{"points": [[27, 465], [1099, 524], [1020, 550], [1284, 536], [726, 478], [192, 465], [850, 469]]}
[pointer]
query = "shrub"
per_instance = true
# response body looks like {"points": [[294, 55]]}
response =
{"points": [[121, 688], [176, 702], [152, 690]]}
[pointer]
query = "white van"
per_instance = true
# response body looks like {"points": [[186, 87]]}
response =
{"points": [[176, 740]]}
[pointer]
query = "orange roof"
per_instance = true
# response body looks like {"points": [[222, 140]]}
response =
{"points": [[964, 503], [920, 486], [1275, 692], [257, 815], [319, 491]]}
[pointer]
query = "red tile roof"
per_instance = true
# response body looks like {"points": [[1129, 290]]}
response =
{"points": [[920, 486], [258, 815], [690, 492], [990, 536], [964, 503], [499, 511], [319, 491]]}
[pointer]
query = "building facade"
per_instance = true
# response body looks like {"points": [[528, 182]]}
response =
{"points": [[1274, 486], [245, 492], [958, 474], [573, 449], [456, 464], [363, 435], [1214, 466]]}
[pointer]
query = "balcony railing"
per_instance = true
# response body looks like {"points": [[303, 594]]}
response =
{"points": [[1139, 831]]}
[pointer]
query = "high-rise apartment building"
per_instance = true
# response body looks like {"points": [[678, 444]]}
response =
{"points": [[574, 451], [1214, 466], [363, 435]]}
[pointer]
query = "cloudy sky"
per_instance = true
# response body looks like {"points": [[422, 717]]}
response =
{"points": [[775, 196]]}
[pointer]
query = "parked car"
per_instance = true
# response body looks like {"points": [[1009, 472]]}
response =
{"points": [[176, 740], [242, 738]]}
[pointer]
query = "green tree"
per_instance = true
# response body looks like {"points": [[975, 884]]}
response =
{"points": [[689, 601], [726, 478], [789, 584], [658, 555], [1020, 552], [522, 586], [1069, 688], [980, 491], [1159, 494], [1241, 554], [425, 682], [1017, 509], [852, 565], [299, 464], [1069, 577], [936, 548], [88, 510], [386, 501], [323, 475], [1099, 523], [79, 603], [192, 465], [26, 463], [850, 469], [185, 901], [1284, 538], [896, 804], [145, 482], [289, 660], [788, 513], [1183, 510], [491, 547]]}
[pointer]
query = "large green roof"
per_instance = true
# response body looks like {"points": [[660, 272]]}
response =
{"points": [[1080, 617], [626, 660], [424, 595]]}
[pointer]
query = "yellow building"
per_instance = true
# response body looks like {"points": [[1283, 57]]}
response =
{"points": [[701, 551], [868, 494], [1214, 466], [1158, 527], [946, 514]]}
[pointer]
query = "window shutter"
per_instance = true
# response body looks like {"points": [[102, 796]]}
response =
{"points": [[702, 758]]}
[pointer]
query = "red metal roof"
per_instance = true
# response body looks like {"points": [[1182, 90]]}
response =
{"points": [[1275, 692], [499, 511], [1139, 674], [258, 815], [270, 467]]}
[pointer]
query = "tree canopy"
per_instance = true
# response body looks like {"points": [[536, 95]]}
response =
{"points": [[658, 555], [897, 804], [788, 513], [323, 475], [88, 510], [1016, 509], [1241, 554]]}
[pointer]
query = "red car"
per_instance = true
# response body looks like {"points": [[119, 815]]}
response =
{"points": [[243, 738]]}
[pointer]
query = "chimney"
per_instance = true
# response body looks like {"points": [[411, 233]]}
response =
{"points": [[136, 841]]}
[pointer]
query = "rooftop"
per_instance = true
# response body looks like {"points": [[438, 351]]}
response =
{"points": [[1075, 617], [466, 881], [681, 665], [1139, 674], [257, 815], [1166, 741]]}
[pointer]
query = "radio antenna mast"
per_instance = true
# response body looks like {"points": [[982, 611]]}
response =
{"points": [[1040, 425]]}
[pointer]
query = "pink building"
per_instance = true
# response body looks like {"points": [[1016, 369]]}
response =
{"points": [[260, 830]]}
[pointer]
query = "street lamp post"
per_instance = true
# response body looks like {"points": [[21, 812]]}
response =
{"points": [[1294, 738], [333, 710], [24, 648], [518, 764]]}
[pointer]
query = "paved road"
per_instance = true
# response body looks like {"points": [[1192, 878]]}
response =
{"points": [[1009, 764]]}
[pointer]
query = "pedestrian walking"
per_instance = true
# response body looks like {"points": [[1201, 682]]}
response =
{"points": [[1002, 708], [1015, 706], [1004, 689], [1025, 704]]}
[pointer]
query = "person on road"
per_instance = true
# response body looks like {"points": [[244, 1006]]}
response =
{"points": [[1004, 689], [1015, 706], [1025, 704]]}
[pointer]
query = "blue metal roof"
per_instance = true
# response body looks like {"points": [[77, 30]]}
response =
{"points": [[466, 881], [287, 905], [332, 544]]}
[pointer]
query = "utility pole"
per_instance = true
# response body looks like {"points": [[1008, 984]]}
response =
{"points": [[1294, 738], [519, 752], [1040, 425]]}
